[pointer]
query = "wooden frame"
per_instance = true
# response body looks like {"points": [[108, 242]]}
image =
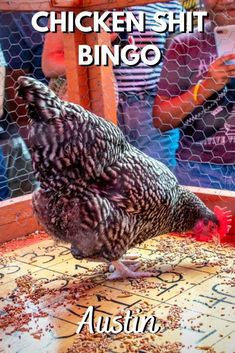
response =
{"points": [[17, 218]]}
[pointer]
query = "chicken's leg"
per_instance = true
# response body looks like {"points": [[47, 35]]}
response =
{"points": [[122, 271]]}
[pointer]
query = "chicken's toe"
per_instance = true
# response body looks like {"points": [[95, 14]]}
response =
{"points": [[122, 271], [133, 265]]}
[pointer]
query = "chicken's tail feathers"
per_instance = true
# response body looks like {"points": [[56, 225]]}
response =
{"points": [[42, 101]]}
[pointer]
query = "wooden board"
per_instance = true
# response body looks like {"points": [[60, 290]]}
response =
{"points": [[17, 219], [45, 292]]}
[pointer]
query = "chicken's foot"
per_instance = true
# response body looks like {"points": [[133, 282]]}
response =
{"points": [[122, 271], [129, 260]]}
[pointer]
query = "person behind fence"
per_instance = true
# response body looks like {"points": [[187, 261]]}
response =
{"points": [[4, 190], [136, 85], [196, 96], [22, 48]]}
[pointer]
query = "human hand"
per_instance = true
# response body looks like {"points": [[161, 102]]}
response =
{"points": [[219, 73]]}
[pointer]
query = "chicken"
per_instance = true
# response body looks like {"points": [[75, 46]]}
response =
{"points": [[98, 192]]}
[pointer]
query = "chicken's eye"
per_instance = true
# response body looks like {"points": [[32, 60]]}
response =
{"points": [[212, 227], [205, 222]]}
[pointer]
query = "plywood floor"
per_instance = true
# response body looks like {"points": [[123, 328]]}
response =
{"points": [[44, 292]]}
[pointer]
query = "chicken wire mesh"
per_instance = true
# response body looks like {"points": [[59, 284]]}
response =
{"points": [[21, 49], [137, 87]]}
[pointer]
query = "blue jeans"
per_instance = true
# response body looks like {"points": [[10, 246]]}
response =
{"points": [[135, 121], [206, 175], [4, 190]]}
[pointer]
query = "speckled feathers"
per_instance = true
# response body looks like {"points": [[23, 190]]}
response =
{"points": [[98, 192]]}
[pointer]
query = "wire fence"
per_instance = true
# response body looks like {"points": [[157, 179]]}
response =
{"points": [[197, 144]]}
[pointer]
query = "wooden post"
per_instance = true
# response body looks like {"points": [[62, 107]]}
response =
{"points": [[77, 76], [90, 86], [102, 82]]}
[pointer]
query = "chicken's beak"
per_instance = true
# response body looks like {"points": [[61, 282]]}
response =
{"points": [[206, 230]]}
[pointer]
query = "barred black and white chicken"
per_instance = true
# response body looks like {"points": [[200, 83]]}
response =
{"points": [[97, 192]]}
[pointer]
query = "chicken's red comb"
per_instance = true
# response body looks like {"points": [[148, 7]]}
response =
{"points": [[224, 217]]}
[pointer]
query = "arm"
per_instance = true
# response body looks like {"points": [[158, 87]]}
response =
{"points": [[53, 63], [168, 112]]}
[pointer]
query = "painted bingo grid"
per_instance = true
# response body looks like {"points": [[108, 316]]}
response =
{"points": [[45, 292]]}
